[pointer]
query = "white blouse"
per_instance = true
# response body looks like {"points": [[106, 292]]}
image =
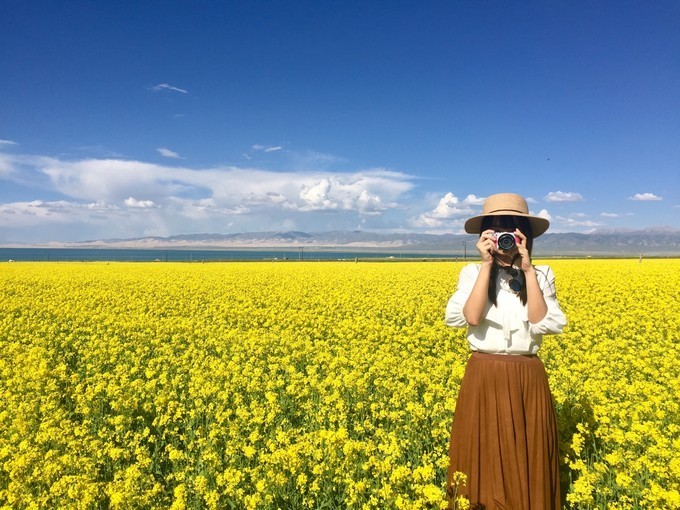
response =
{"points": [[505, 328]]}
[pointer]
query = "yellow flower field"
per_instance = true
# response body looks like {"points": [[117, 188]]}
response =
{"points": [[310, 384]]}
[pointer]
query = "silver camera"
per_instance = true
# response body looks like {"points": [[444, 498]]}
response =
{"points": [[505, 240]]}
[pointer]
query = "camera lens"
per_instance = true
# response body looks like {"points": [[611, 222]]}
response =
{"points": [[506, 241]]}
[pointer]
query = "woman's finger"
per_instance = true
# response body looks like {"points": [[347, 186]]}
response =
{"points": [[521, 236]]}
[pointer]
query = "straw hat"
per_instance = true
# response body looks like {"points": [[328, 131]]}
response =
{"points": [[506, 204]]}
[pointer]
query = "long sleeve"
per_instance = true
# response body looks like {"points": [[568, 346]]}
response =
{"points": [[505, 328], [454, 308], [554, 320]]}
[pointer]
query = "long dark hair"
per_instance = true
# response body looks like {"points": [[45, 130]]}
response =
{"points": [[513, 222]]}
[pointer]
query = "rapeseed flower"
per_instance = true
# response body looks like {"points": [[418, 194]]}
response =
{"points": [[303, 385]]}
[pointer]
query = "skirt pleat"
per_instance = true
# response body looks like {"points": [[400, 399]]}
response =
{"points": [[504, 435]]}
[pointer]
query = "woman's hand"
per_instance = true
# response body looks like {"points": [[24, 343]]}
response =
{"points": [[525, 264], [486, 247], [536, 306]]}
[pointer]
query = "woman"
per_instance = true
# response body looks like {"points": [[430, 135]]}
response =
{"points": [[504, 433]]}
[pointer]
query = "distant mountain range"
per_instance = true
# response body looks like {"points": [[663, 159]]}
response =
{"points": [[662, 241]]}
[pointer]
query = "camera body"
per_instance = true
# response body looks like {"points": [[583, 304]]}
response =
{"points": [[505, 240]]}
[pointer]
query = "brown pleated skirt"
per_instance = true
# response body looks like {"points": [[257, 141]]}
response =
{"points": [[504, 435]]}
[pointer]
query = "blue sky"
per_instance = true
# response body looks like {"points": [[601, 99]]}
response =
{"points": [[126, 119]]}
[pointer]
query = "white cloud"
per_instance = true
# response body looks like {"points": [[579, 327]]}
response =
{"points": [[139, 204], [369, 193], [450, 207], [616, 215], [268, 198], [175, 199], [7, 168], [315, 196], [39, 212], [474, 200], [574, 222], [370, 203], [543, 213], [7, 142], [24, 170], [563, 196], [165, 152], [267, 148], [111, 180], [166, 86], [645, 197]]}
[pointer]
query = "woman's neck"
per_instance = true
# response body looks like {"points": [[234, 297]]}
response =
{"points": [[505, 260]]}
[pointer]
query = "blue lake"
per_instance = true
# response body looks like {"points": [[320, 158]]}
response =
{"points": [[128, 255]]}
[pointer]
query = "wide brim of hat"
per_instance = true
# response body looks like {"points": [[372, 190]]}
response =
{"points": [[538, 225]]}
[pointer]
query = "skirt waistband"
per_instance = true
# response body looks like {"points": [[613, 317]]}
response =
{"points": [[507, 358]]}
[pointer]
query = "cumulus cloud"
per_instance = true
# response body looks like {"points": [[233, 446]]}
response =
{"points": [[165, 152], [474, 200], [363, 193], [543, 213], [175, 198], [563, 196], [449, 207], [315, 196], [645, 197], [139, 204], [167, 86]]}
